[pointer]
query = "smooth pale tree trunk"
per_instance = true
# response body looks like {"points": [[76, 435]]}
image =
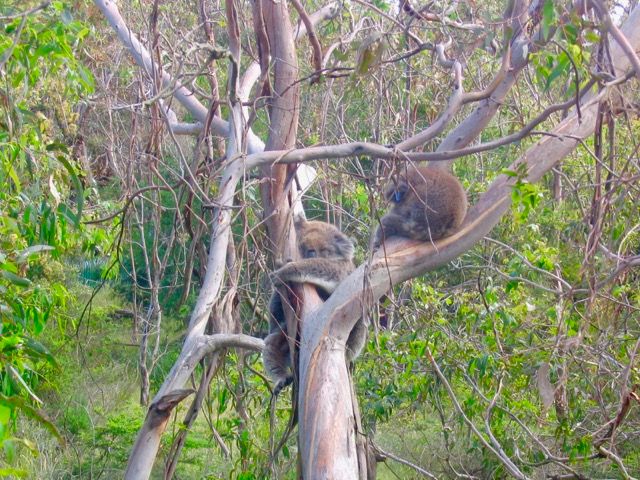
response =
{"points": [[328, 447]]}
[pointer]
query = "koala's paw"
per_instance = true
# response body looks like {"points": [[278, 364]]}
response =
{"points": [[282, 384], [377, 241], [279, 263]]}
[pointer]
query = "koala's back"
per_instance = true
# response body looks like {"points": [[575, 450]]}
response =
{"points": [[436, 203], [326, 259]]}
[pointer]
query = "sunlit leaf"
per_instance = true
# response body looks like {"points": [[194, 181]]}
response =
{"points": [[32, 250]]}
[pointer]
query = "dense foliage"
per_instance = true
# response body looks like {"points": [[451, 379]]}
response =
{"points": [[41, 199]]}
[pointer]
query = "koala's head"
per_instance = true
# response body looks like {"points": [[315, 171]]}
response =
{"points": [[396, 191], [407, 186], [323, 240]]}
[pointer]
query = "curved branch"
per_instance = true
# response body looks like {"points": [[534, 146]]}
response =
{"points": [[453, 107], [327, 12], [380, 151], [313, 39], [127, 203], [517, 56], [185, 96], [147, 443]]}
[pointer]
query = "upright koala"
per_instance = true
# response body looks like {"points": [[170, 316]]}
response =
{"points": [[428, 204], [326, 259]]}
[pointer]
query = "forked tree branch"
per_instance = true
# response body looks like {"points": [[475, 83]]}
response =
{"points": [[145, 449]]}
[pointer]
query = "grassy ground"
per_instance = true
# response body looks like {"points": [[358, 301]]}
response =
{"points": [[93, 399]]}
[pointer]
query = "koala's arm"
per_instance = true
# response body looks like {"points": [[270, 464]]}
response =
{"points": [[277, 321], [321, 272], [394, 225]]}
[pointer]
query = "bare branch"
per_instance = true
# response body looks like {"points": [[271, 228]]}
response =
{"points": [[617, 34], [182, 94], [147, 443], [379, 151], [455, 102], [428, 16], [329, 11], [618, 461], [313, 39], [403, 461], [520, 47], [494, 447]]}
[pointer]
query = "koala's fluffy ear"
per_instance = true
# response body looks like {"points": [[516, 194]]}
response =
{"points": [[344, 245], [299, 221]]}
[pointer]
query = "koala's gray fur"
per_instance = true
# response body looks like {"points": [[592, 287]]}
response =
{"points": [[427, 204], [326, 259]]}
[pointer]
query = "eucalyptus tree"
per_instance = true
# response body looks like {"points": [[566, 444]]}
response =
{"points": [[366, 88]]}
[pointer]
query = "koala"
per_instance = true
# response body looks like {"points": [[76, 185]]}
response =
{"points": [[326, 259], [427, 204]]}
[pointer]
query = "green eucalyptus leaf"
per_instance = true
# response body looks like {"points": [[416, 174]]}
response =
{"points": [[15, 279], [77, 184], [24, 255], [15, 402]]}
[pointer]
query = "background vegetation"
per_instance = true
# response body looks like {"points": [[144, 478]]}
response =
{"points": [[530, 338]]}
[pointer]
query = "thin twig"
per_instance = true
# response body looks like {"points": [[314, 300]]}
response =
{"points": [[499, 453], [403, 461], [42, 6]]}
